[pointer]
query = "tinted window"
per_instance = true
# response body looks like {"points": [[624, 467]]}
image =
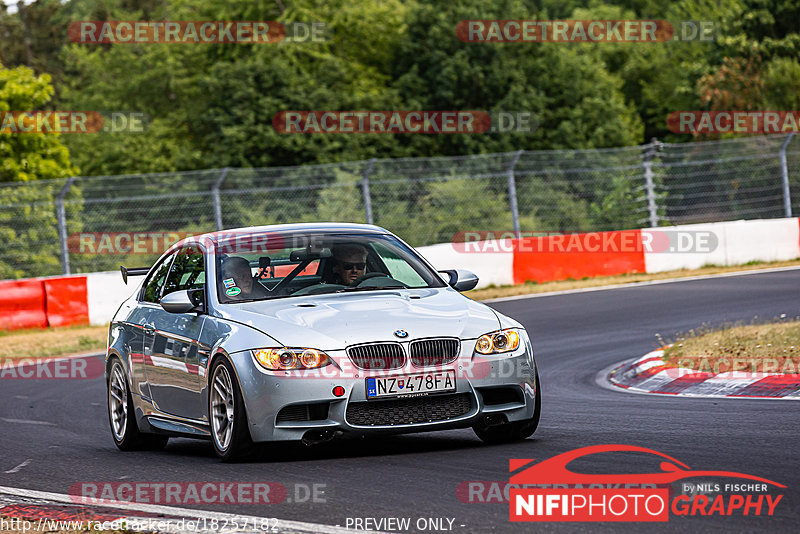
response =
{"points": [[187, 272], [155, 282]]}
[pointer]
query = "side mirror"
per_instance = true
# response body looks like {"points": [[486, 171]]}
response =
{"points": [[461, 279], [184, 301]]}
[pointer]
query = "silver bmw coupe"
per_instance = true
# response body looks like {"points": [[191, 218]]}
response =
{"points": [[310, 332]]}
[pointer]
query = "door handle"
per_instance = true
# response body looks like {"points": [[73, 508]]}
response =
{"points": [[149, 329]]}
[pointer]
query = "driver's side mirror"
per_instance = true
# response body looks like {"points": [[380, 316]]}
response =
{"points": [[183, 301], [461, 279]]}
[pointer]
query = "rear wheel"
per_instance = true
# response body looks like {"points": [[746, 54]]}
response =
{"points": [[516, 430], [229, 432], [121, 412]]}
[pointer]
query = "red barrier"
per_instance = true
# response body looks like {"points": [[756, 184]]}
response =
{"points": [[576, 256], [22, 304], [66, 301]]}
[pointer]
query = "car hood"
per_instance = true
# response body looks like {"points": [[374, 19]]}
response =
{"points": [[333, 322]]}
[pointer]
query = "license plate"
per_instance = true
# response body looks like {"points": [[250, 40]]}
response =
{"points": [[411, 385]]}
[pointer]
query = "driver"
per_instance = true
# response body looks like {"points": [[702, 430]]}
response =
{"points": [[237, 269], [351, 261]]}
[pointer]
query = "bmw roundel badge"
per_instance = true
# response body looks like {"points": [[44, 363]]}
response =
{"points": [[401, 333]]}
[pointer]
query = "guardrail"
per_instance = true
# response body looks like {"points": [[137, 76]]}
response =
{"points": [[93, 298]]}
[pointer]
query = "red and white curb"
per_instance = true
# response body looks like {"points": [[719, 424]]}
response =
{"points": [[650, 374], [52, 511]]}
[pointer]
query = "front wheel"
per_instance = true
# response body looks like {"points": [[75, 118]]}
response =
{"points": [[516, 430], [126, 434], [229, 432]]}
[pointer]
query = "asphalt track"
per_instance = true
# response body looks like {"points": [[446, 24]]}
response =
{"points": [[60, 426]]}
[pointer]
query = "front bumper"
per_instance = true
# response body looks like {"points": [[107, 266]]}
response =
{"points": [[493, 388]]}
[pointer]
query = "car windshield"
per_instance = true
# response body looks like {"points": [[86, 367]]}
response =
{"points": [[265, 266]]}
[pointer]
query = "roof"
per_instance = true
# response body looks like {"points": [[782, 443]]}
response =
{"points": [[294, 229], [298, 228]]}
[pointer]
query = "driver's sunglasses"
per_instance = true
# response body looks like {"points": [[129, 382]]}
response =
{"points": [[347, 266]]}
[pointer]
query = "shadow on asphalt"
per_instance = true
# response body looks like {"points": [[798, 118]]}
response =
{"points": [[341, 448]]}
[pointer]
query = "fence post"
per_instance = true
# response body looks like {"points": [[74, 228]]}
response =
{"points": [[62, 225], [365, 191], [512, 192], [215, 198], [787, 198], [649, 184]]}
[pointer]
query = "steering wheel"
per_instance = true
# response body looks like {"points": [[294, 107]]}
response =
{"points": [[367, 276]]}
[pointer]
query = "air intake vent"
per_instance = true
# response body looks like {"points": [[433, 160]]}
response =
{"points": [[429, 352], [303, 412], [408, 411], [377, 356]]}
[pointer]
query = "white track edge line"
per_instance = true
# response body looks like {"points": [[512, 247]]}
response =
{"points": [[175, 511]]}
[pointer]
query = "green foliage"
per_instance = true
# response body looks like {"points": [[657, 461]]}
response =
{"points": [[782, 84], [212, 106], [341, 200], [27, 217], [29, 156]]}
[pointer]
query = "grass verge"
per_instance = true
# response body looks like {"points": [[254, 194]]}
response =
{"points": [[493, 292], [52, 342], [768, 348]]}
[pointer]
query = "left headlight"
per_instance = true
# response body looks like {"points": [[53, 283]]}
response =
{"points": [[287, 358], [498, 342]]}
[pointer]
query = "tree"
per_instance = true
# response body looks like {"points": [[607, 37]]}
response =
{"points": [[27, 217], [577, 102]]}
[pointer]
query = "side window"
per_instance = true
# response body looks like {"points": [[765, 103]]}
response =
{"points": [[152, 288], [187, 272]]}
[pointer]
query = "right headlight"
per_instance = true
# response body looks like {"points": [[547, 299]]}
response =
{"points": [[287, 358], [498, 342]]}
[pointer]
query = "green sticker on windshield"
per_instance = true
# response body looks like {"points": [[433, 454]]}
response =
{"points": [[232, 292]]}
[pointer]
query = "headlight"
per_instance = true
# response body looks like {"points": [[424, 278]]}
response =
{"points": [[286, 358], [497, 342]]}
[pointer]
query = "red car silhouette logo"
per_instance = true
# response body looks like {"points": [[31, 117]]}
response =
{"points": [[554, 470]]}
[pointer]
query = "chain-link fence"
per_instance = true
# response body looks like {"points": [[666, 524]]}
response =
{"points": [[87, 224]]}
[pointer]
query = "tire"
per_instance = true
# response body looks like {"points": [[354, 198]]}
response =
{"points": [[127, 436], [516, 430], [226, 414]]}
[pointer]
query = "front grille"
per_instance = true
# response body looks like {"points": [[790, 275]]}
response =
{"points": [[303, 412], [427, 352], [408, 411], [376, 356]]}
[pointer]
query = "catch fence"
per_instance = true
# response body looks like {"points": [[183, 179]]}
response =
{"points": [[83, 224]]}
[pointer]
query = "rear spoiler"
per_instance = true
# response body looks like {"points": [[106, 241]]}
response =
{"points": [[133, 271]]}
